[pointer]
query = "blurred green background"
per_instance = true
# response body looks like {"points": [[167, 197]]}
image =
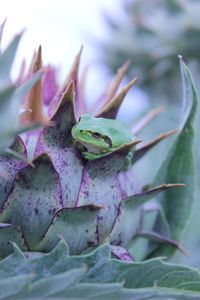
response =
{"points": [[151, 35]]}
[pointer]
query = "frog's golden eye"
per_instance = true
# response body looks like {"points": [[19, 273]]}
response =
{"points": [[96, 135]]}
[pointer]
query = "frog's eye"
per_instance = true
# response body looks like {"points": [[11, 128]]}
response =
{"points": [[96, 135]]}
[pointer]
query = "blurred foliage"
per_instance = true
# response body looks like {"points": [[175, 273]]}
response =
{"points": [[150, 34]]}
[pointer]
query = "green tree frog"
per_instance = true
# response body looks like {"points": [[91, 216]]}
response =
{"points": [[101, 136]]}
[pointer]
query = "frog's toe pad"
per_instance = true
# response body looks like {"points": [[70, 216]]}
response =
{"points": [[88, 155]]}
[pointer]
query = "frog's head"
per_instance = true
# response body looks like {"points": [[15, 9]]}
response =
{"points": [[89, 132]]}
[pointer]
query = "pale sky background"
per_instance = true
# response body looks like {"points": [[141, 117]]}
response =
{"points": [[61, 27]]}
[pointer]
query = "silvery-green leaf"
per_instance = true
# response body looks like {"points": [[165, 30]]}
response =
{"points": [[9, 233], [128, 217], [57, 283], [11, 286], [6, 115], [6, 60], [179, 167], [93, 276], [1, 31]]}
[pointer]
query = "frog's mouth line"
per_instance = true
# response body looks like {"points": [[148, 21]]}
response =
{"points": [[90, 148]]}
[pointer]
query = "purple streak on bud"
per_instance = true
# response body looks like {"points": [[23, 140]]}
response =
{"points": [[49, 87]]}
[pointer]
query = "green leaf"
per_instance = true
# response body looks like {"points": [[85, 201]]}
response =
{"points": [[93, 291], [10, 101], [115, 291], [6, 60], [179, 168], [9, 287], [1, 31], [94, 276], [9, 232], [129, 216], [11, 96], [9, 264], [7, 113], [56, 283]]}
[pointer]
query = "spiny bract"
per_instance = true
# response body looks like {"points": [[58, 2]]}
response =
{"points": [[60, 194]]}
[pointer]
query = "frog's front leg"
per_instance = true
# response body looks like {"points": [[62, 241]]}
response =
{"points": [[127, 162], [89, 155], [92, 156]]}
